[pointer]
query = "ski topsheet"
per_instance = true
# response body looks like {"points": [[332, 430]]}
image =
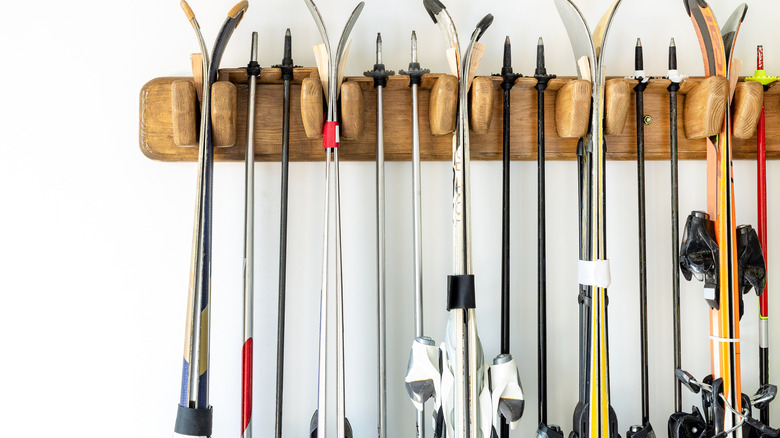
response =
{"points": [[593, 416]]}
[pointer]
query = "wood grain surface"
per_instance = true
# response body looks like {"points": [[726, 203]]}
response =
{"points": [[156, 125]]}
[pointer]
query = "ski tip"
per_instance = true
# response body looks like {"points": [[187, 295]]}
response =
{"points": [[433, 7], [187, 10], [540, 42], [483, 24], [687, 7], [238, 9]]}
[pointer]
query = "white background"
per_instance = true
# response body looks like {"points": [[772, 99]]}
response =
{"points": [[96, 237]]}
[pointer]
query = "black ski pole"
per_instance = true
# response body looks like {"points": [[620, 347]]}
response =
{"points": [[509, 78], [645, 429], [675, 79], [542, 78], [380, 80], [287, 76]]}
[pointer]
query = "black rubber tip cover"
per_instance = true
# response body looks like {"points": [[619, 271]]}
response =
{"points": [[193, 422]]}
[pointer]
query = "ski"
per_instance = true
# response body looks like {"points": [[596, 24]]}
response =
{"points": [[253, 71], [644, 429], [469, 401], [419, 393], [508, 81], [286, 68], [194, 415], [594, 417], [329, 69], [379, 74], [675, 79], [763, 303], [727, 257], [542, 78]]}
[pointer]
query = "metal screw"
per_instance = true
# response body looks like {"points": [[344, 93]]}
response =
{"points": [[648, 119]]}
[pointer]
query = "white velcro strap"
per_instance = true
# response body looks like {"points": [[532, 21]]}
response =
{"points": [[727, 340], [593, 273]]}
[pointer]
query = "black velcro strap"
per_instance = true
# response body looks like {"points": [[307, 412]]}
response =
{"points": [[460, 292], [193, 422]]}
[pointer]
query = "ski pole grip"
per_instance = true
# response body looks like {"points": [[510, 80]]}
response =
{"points": [[311, 107], [443, 105], [184, 110], [572, 108], [617, 94], [705, 106], [482, 96], [224, 113], [746, 110], [351, 110]]}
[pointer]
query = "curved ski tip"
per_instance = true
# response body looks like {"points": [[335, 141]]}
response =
{"points": [[485, 22], [744, 7], [433, 7], [187, 10], [239, 8]]}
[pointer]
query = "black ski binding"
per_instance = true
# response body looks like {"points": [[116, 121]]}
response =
{"points": [[699, 254]]}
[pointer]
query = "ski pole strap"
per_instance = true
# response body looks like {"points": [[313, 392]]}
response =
{"points": [[330, 135], [593, 273], [460, 292], [191, 422]]}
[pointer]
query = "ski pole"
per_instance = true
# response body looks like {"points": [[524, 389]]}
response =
{"points": [[644, 429], [415, 78], [763, 303], [542, 78], [674, 86], [194, 415], [509, 78], [380, 80], [287, 76], [253, 71]]}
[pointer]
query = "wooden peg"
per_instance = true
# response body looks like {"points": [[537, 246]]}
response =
{"points": [[705, 106], [617, 94], [311, 107], [184, 113], [351, 110], [746, 109], [482, 96], [443, 105], [572, 108], [196, 61], [224, 112]]}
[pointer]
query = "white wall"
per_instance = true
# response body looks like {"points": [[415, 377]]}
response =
{"points": [[96, 237]]}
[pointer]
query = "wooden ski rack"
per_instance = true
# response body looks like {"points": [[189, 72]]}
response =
{"points": [[156, 133]]}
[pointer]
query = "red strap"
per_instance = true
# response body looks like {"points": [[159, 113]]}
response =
{"points": [[330, 135]]}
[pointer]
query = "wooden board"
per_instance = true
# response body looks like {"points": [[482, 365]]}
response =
{"points": [[156, 127]]}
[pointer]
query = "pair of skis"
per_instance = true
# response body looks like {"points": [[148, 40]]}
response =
{"points": [[194, 415], [253, 72], [728, 258], [330, 68], [468, 397]]}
